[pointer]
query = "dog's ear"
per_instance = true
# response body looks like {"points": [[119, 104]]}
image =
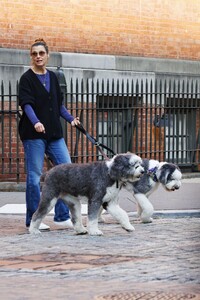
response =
{"points": [[119, 166], [165, 172], [162, 174]]}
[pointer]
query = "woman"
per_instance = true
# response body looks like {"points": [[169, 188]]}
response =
{"points": [[40, 129]]}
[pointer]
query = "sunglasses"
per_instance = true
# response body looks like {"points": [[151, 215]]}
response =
{"points": [[35, 54]]}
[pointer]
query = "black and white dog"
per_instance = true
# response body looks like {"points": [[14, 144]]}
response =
{"points": [[99, 182], [167, 174]]}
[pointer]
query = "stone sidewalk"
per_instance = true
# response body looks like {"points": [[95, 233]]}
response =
{"points": [[157, 261]]}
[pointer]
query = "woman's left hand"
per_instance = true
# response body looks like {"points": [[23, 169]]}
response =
{"points": [[75, 121]]}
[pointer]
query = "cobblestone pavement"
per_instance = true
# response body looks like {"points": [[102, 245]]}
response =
{"points": [[157, 261]]}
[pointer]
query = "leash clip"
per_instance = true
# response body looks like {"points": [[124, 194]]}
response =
{"points": [[97, 144], [152, 173]]}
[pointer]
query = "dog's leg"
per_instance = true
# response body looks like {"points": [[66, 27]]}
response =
{"points": [[145, 208], [119, 214], [43, 209], [75, 208], [100, 216], [94, 208], [139, 210]]}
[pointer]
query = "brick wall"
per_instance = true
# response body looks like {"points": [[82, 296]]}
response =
{"points": [[154, 28]]}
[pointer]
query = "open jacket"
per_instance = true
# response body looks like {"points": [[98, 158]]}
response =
{"points": [[46, 106]]}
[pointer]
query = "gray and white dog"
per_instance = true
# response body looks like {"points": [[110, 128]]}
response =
{"points": [[167, 174], [99, 182]]}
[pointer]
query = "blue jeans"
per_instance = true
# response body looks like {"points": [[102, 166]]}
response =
{"points": [[34, 151]]}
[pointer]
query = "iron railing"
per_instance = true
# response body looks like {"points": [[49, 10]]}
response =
{"points": [[154, 119]]}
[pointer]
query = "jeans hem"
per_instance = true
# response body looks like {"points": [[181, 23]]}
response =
{"points": [[61, 220]]}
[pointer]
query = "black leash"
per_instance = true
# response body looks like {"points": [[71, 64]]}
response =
{"points": [[94, 141]]}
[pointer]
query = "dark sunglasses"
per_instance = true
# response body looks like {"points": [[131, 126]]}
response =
{"points": [[35, 54]]}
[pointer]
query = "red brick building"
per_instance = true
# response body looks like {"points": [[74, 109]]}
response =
{"points": [[154, 28], [112, 40]]}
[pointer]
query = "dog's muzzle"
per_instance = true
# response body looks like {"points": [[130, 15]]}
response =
{"points": [[176, 187], [173, 188]]}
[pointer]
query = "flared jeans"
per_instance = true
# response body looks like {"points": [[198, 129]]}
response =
{"points": [[35, 151]]}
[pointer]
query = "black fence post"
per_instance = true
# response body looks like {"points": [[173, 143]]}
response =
{"points": [[63, 87], [62, 81]]}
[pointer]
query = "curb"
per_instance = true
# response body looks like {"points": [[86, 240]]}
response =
{"points": [[12, 187], [195, 213]]}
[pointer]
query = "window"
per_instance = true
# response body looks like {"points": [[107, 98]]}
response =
{"points": [[116, 120], [180, 134]]}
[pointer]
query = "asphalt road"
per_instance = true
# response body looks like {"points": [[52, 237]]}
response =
{"points": [[186, 198]]}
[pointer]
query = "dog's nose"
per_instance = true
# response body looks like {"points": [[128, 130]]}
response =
{"points": [[176, 187]]}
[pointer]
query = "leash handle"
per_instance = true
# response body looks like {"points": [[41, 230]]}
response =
{"points": [[94, 141], [82, 129]]}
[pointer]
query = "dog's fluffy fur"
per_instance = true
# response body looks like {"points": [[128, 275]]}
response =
{"points": [[167, 174], [98, 181]]}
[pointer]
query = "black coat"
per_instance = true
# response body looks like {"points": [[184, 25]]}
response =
{"points": [[46, 106]]}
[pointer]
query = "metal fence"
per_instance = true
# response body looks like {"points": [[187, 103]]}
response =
{"points": [[155, 119]]}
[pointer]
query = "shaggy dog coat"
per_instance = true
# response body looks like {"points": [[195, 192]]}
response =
{"points": [[98, 181]]}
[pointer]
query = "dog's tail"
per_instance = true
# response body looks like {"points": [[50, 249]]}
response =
{"points": [[49, 164], [42, 177]]}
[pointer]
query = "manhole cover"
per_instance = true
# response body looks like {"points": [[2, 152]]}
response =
{"points": [[148, 296]]}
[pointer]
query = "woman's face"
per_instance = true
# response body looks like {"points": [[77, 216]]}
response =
{"points": [[39, 56]]}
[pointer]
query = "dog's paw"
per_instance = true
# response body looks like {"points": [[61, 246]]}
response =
{"points": [[129, 228], [34, 231], [101, 219], [81, 230], [81, 233], [95, 232], [145, 221]]}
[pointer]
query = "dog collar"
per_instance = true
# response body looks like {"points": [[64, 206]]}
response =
{"points": [[152, 173], [120, 185]]}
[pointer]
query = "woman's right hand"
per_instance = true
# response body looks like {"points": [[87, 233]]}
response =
{"points": [[39, 127]]}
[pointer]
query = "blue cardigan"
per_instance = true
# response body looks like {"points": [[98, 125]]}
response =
{"points": [[46, 106]]}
